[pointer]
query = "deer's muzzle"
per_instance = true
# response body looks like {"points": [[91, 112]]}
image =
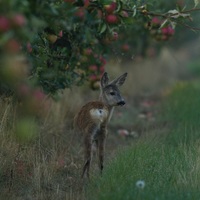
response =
{"points": [[121, 103]]}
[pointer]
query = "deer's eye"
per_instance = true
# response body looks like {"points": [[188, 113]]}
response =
{"points": [[112, 93]]}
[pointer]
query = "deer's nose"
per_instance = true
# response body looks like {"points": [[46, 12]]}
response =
{"points": [[121, 103]]}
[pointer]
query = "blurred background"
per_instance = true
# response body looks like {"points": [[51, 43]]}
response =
{"points": [[52, 55]]}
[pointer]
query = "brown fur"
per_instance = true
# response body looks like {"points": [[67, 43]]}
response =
{"points": [[83, 119], [93, 117]]}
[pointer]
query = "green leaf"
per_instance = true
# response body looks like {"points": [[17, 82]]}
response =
{"points": [[119, 5], [134, 11], [164, 23], [103, 28], [196, 2], [176, 14]]}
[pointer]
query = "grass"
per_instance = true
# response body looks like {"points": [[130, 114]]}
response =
{"points": [[169, 163], [46, 167]]}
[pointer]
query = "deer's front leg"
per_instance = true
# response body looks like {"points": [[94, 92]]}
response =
{"points": [[101, 147]]}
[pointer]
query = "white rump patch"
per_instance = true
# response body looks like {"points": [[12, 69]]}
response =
{"points": [[99, 115]]}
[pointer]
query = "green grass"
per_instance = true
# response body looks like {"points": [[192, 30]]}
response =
{"points": [[169, 163], [193, 67], [181, 111]]}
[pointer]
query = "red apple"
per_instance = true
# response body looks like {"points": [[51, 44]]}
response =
{"points": [[124, 14], [4, 24], [125, 47], [87, 51], [111, 19], [99, 14], [39, 95], [12, 46], [80, 13], [102, 69], [110, 8], [29, 47], [18, 20], [170, 30], [164, 30], [93, 77], [23, 90], [103, 60], [93, 68], [86, 3], [60, 34], [155, 21]]}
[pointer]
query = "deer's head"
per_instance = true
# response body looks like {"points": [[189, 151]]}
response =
{"points": [[110, 93]]}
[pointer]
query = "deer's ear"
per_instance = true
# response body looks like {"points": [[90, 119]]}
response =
{"points": [[120, 80], [104, 80]]}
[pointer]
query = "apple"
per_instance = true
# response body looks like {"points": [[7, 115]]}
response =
{"points": [[103, 60], [125, 47], [112, 19], [93, 77], [124, 14], [171, 31], [23, 90], [99, 14], [12, 46], [60, 34], [29, 47], [52, 38], [110, 8], [80, 13], [86, 3], [4, 24], [164, 30], [102, 69], [39, 95], [18, 20], [93, 68], [155, 21], [87, 51]]}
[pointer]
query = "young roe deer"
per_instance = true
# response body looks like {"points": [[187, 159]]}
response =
{"points": [[94, 116]]}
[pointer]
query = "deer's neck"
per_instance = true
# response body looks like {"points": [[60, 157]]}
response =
{"points": [[110, 108]]}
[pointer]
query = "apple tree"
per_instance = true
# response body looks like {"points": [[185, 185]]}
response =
{"points": [[55, 44]]}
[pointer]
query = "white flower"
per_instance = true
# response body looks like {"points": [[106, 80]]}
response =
{"points": [[140, 184]]}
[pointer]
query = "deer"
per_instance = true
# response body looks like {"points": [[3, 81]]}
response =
{"points": [[93, 118]]}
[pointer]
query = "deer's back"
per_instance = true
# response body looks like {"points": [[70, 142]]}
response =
{"points": [[91, 114]]}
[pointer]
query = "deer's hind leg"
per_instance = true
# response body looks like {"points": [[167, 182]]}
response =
{"points": [[88, 156]]}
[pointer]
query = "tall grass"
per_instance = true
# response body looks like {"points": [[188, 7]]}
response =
{"points": [[169, 164], [181, 111], [46, 167]]}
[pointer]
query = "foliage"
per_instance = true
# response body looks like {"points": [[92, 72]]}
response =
{"points": [[66, 41]]}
